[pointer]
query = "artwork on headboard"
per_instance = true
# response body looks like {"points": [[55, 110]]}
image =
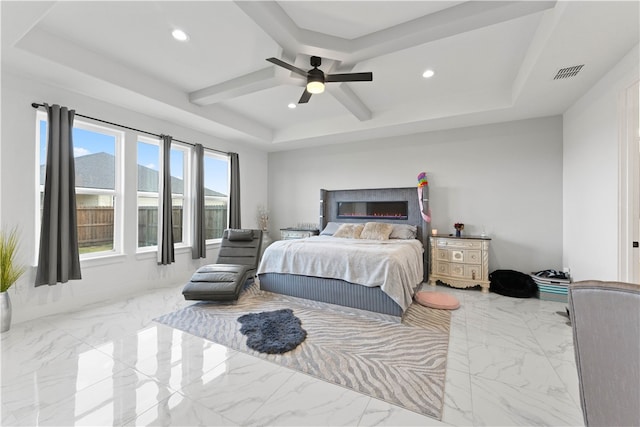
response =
{"points": [[392, 205]]}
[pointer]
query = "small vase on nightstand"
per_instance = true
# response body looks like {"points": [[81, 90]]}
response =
{"points": [[457, 233]]}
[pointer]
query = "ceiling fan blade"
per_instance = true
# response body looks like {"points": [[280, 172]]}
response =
{"points": [[287, 66], [306, 95], [349, 77]]}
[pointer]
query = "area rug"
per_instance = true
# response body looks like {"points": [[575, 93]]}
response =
{"points": [[402, 363]]}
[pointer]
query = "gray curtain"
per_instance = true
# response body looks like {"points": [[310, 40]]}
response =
{"points": [[59, 258], [234, 196], [199, 248], [165, 250]]}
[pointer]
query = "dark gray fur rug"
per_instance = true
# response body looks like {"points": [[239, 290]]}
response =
{"points": [[272, 332]]}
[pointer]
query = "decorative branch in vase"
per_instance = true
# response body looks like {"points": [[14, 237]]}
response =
{"points": [[263, 218], [459, 227]]}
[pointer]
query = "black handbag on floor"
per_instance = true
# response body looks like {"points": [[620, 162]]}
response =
{"points": [[512, 283]]}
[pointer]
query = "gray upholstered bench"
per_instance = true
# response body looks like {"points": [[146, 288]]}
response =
{"points": [[236, 264]]}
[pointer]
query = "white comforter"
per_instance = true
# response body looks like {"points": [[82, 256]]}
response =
{"points": [[395, 265]]}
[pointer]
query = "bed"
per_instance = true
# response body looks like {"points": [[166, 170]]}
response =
{"points": [[378, 276]]}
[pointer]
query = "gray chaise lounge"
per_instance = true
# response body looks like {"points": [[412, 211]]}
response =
{"points": [[237, 263]]}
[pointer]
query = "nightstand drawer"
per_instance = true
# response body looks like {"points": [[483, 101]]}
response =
{"points": [[457, 270], [443, 268], [462, 271], [442, 255], [473, 272], [458, 243], [462, 256], [472, 257]]}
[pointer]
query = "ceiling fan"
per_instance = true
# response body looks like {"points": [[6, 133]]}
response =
{"points": [[316, 78]]}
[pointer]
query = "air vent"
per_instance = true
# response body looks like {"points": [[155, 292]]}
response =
{"points": [[565, 73]]}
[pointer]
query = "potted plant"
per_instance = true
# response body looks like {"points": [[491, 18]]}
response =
{"points": [[10, 272]]}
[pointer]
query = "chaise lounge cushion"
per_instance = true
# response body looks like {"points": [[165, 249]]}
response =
{"points": [[236, 264], [218, 282]]}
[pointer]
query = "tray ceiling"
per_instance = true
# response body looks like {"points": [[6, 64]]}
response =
{"points": [[493, 61]]}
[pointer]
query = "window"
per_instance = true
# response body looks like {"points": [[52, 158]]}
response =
{"points": [[148, 180], [179, 193], [216, 194], [148, 196], [96, 151]]}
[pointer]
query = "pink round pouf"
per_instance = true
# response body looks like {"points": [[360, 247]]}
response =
{"points": [[437, 300]]}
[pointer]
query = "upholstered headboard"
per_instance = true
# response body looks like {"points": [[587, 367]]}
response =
{"points": [[405, 197]]}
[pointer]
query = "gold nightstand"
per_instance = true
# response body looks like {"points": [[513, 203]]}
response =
{"points": [[460, 262]]}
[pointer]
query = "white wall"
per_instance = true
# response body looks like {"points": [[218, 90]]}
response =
{"points": [[591, 170], [506, 178], [107, 278]]}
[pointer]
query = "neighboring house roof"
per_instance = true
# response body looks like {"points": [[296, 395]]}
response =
{"points": [[92, 173]]}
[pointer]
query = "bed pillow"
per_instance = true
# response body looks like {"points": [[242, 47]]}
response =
{"points": [[330, 229], [240, 235], [349, 231], [376, 231], [403, 231]]}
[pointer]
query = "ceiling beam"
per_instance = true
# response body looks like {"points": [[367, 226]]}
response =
{"points": [[458, 19], [283, 30], [243, 85], [548, 24], [348, 98]]}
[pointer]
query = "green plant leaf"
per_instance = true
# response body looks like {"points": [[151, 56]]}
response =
{"points": [[10, 271]]}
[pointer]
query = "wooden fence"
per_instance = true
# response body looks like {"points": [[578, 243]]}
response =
{"points": [[95, 225]]}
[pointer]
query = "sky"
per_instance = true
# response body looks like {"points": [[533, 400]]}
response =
{"points": [[87, 142]]}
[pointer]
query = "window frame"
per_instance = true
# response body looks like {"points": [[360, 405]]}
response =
{"points": [[156, 142], [186, 196], [218, 156], [117, 194]]}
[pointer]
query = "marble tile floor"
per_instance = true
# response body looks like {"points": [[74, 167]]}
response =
{"points": [[510, 363]]}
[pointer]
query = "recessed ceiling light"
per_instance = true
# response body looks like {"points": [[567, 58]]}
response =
{"points": [[292, 105], [427, 74], [180, 35]]}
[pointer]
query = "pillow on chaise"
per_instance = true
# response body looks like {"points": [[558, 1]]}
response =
{"points": [[239, 235]]}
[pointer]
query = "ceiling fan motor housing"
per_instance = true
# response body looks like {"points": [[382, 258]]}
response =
{"points": [[315, 75]]}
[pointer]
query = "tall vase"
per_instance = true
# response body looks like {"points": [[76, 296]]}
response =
{"points": [[5, 311], [457, 233]]}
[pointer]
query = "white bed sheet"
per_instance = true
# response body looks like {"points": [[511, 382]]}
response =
{"points": [[395, 265]]}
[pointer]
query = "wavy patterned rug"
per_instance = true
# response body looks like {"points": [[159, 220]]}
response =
{"points": [[401, 363]]}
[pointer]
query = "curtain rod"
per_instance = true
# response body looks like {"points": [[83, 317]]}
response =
{"points": [[36, 105]]}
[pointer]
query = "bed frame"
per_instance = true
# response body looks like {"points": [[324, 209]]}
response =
{"points": [[344, 293]]}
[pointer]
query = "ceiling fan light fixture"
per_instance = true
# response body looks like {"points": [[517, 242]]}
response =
{"points": [[315, 87]]}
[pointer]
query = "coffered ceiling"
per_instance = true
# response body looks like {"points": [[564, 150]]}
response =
{"points": [[493, 61]]}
